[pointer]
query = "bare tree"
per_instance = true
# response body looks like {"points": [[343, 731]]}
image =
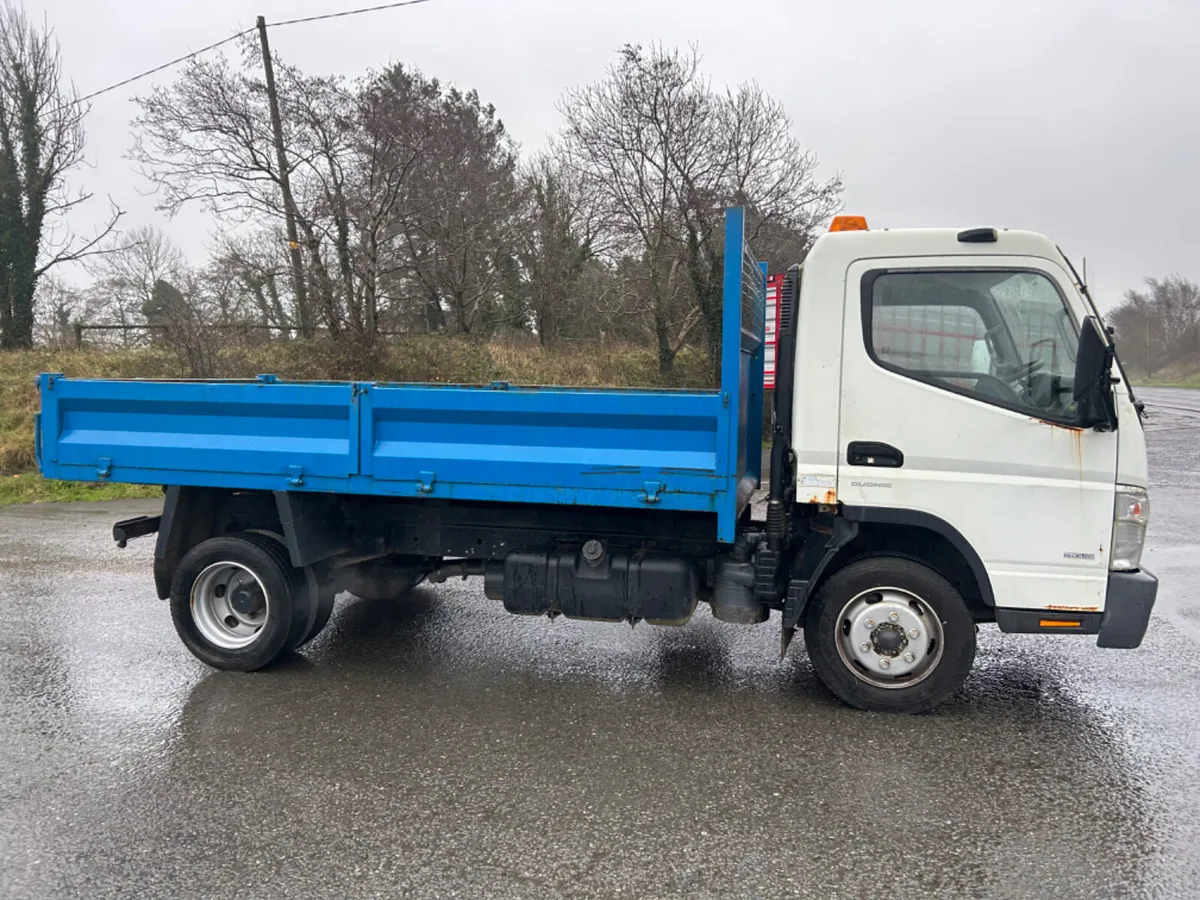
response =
{"points": [[622, 136], [754, 161], [58, 307], [254, 271], [402, 187], [206, 139], [186, 325], [146, 280], [41, 141], [321, 113], [554, 247], [1159, 325], [668, 154], [125, 276], [461, 224], [413, 214], [396, 118]]}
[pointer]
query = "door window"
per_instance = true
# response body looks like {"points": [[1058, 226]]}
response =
{"points": [[1002, 336]]}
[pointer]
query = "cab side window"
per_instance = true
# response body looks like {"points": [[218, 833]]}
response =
{"points": [[923, 337], [1004, 337]]}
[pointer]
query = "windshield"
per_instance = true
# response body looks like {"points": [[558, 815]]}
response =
{"points": [[1039, 323]]}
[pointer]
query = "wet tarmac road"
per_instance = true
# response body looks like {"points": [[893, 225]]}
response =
{"points": [[440, 748]]}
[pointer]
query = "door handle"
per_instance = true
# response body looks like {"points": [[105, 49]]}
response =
{"points": [[873, 453]]}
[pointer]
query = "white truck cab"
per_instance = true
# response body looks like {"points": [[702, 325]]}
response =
{"points": [[959, 384]]}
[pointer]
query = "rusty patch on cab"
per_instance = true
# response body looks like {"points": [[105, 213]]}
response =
{"points": [[1074, 608], [1072, 428]]}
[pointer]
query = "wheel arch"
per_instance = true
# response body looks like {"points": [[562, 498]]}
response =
{"points": [[923, 538], [195, 514]]}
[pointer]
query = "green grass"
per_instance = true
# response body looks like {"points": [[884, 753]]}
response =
{"points": [[19, 398], [32, 488]]}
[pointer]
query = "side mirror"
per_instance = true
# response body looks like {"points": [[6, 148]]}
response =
{"points": [[1093, 378]]}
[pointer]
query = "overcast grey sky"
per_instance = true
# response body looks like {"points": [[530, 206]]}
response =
{"points": [[1079, 119]]}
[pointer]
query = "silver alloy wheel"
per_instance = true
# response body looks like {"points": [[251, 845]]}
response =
{"points": [[889, 637], [229, 605]]}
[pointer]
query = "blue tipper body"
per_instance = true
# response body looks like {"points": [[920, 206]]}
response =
{"points": [[636, 449]]}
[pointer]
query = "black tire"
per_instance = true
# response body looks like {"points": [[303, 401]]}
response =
{"points": [[850, 680], [319, 609], [287, 609], [322, 610]]}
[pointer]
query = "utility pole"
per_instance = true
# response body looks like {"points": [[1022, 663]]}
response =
{"points": [[303, 314]]}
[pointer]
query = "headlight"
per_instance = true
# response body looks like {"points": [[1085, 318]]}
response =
{"points": [[1130, 518]]}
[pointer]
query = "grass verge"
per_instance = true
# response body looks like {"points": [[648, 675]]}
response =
{"points": [[32, 488]]}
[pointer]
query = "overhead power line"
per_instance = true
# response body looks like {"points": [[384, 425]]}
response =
{"points": [[234, 37], [349, 12], [166, 65]]}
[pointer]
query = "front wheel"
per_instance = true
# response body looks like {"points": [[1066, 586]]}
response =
{"points": [[890, 635]]}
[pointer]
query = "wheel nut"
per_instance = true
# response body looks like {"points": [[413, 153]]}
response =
{"points": [[893, 617], [914, 633], [870, 623], [908, 657], [865, 647], [884, 663]]}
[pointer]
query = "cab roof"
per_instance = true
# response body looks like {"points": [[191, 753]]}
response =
{"points": [[941, 242]]}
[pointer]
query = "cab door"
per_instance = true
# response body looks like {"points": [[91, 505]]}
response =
{"points": [[956, 415]]}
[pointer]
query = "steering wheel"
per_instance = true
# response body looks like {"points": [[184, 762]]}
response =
{"points": [[996, 388], [1020, 371]]}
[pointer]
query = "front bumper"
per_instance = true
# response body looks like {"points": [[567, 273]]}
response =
{"points": [[1127, 609], [1121, 626]]}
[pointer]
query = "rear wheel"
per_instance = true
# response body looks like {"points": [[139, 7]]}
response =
{"points": [[319, 600], [322, 610], [891, 635], [237, 603]]}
